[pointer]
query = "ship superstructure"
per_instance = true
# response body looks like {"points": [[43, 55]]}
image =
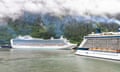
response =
{"points": [[104, 45]]}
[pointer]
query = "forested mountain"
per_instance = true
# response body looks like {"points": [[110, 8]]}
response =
{"points": [[45, 18], [46, 26]]}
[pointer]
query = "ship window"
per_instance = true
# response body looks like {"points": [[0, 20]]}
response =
{"points": [[38, 42]]}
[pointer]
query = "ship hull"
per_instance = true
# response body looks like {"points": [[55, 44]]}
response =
{"points": [[105, 55], [44, 47]]}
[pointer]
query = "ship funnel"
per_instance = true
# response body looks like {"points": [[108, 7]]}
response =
{"points": [[119, 29], [52, 38], [61, 37], [98, 30]]}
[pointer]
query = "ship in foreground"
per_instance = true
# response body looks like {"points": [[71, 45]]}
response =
{"points": [[102, 45], [30, 42]]}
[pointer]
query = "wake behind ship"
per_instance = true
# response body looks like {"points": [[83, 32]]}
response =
{"points": [[30, 42], [102, 45]]}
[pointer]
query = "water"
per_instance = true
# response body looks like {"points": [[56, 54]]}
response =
{"points": [[35, 60]]}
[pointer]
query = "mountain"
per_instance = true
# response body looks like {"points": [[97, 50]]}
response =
{"points": [[70, 18], [47, 25]]}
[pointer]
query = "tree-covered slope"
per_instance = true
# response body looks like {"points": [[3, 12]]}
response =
{"points": [[73, 28]]}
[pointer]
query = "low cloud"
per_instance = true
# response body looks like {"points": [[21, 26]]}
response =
{"points": [[74, 6], [16, 8]]}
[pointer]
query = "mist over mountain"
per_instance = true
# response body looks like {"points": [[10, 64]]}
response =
{"points": [[16, 8], [58, 17]]}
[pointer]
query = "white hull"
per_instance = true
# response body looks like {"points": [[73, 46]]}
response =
{"points": [[46, 47], [107, 55]]}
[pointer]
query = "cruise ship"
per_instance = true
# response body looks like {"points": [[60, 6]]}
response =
{"points": [[30, 42], [101, 44]]}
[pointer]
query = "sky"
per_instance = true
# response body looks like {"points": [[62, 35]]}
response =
{"points": [[16, 8]]}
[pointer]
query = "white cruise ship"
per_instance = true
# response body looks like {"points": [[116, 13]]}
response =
{"points": [[102, 45], [30, 42]]}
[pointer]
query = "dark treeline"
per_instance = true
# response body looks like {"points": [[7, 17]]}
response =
{"points": [[5, 35], [74, 31]]}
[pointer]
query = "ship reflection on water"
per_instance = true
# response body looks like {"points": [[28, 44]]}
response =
{"points": [[37, 60]]}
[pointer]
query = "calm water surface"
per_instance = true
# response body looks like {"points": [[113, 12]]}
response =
{"points": [[28, 60]]}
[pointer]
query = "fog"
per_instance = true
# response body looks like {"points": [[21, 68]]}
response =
{"points": [[16, 8]]}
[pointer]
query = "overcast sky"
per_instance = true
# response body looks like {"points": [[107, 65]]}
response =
{"points": [[15, 8]]}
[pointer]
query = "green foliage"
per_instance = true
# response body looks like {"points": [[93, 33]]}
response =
{"points": [[76, 32], [20, 27], [39, 30], [5, 36], [109, 27]]}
